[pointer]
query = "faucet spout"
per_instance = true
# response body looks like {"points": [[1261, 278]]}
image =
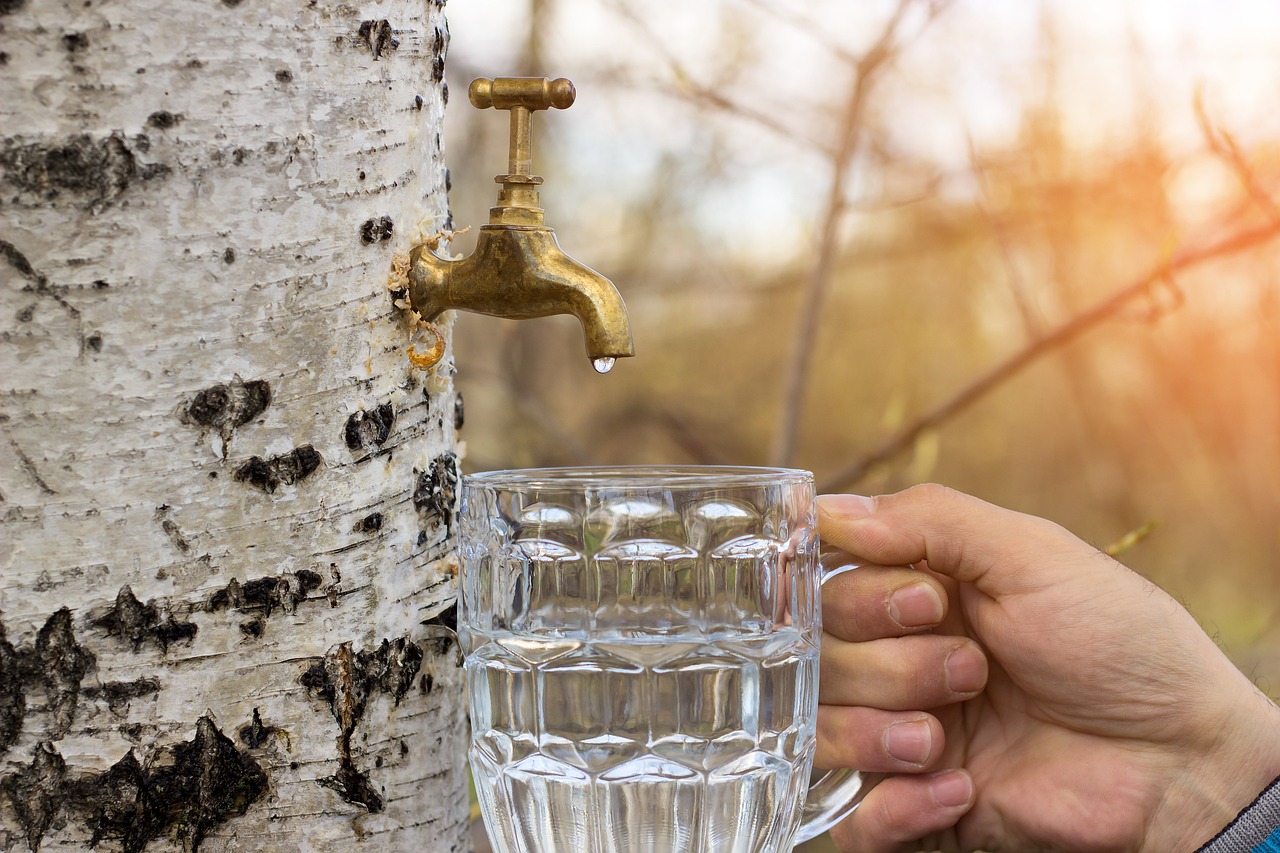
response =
{"points": [[520, 272]]}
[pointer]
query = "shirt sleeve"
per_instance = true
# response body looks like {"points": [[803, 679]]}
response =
{"points": [[1255, 830]]}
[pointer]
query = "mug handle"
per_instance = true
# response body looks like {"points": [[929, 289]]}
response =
{"points": [[834, 795]]}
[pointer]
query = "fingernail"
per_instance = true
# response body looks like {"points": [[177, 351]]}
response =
{"points": [[966, 670], [909, 742], [915, 606], [846, 506], [951, 789]]}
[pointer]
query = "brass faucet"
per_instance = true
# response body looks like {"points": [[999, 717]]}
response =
{"points": [[518, 270]]}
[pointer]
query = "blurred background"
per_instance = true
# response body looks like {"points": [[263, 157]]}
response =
{"points": [[1025, 249]]}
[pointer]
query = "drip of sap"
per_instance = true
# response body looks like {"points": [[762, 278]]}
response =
{"points": [[603, 365]]}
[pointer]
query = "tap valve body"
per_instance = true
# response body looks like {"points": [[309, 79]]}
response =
{"points": [[518, 269]]}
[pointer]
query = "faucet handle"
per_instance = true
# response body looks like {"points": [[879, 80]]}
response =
{"points": [[522, 96], [531, 93]]}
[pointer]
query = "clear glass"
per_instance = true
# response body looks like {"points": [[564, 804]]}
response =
{"points": [[642, 659]]}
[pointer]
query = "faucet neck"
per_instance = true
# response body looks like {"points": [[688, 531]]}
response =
{"points": [[517, 201]]}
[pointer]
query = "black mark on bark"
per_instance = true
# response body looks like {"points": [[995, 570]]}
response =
{"points": [[25, 462], [137, 623], [267, 594], [94, 342], [75, 42], [284, 75], [435, 493], [8, 7], [171, 529], [447, 617], [459, 415], [373, 230], [226, 408], [13, 700], [371, 523], [118, 694], [378, 37], [163, 119], [346, 679], [256, 733], [229, 255], [36, 792], [287, 468], [369, 429], [90, 171], [55, 663], [19, 262], [61, 663], [253, 628], [187, 790], [354, 787]]}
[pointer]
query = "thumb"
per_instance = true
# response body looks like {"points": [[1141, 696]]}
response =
{"points": [[999, 551]]}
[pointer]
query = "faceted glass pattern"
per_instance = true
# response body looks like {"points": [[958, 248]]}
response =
{"points": [[642, 657]]}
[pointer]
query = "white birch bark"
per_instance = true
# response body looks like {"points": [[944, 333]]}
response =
{"points": [[225, 496]]}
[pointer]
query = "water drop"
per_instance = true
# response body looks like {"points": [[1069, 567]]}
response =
{"points": [[603, 365]]}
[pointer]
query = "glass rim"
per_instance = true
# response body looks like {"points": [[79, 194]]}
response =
{"points": [[637, 476]]}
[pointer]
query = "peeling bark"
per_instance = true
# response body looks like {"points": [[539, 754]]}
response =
{"points": [[214, 577]]}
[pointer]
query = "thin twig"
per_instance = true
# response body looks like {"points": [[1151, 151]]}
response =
{"points": [[905, 438], [1017, 286], [1223, 144], [689, 87], [795, 381]]}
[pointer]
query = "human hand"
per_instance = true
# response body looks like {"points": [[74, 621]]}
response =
{"points": [[1100, 718]]}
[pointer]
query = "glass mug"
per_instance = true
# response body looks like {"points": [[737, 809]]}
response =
{"points": [[642, 659]]}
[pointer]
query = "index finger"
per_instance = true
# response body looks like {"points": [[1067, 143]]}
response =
{"points": [[999, 551]]}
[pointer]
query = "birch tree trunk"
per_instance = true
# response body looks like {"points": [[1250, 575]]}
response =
{"points": [[226, 494]]}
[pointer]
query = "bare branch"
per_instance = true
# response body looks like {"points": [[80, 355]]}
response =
{"points": [[1223, 144], [905, 438], [677, 429], [795, 382]]}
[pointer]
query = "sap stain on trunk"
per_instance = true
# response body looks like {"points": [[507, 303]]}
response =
{"points": [[346, 679], [180, 792]]}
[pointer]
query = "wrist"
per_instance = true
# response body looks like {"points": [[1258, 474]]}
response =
{"points": [[1208, 786]]}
